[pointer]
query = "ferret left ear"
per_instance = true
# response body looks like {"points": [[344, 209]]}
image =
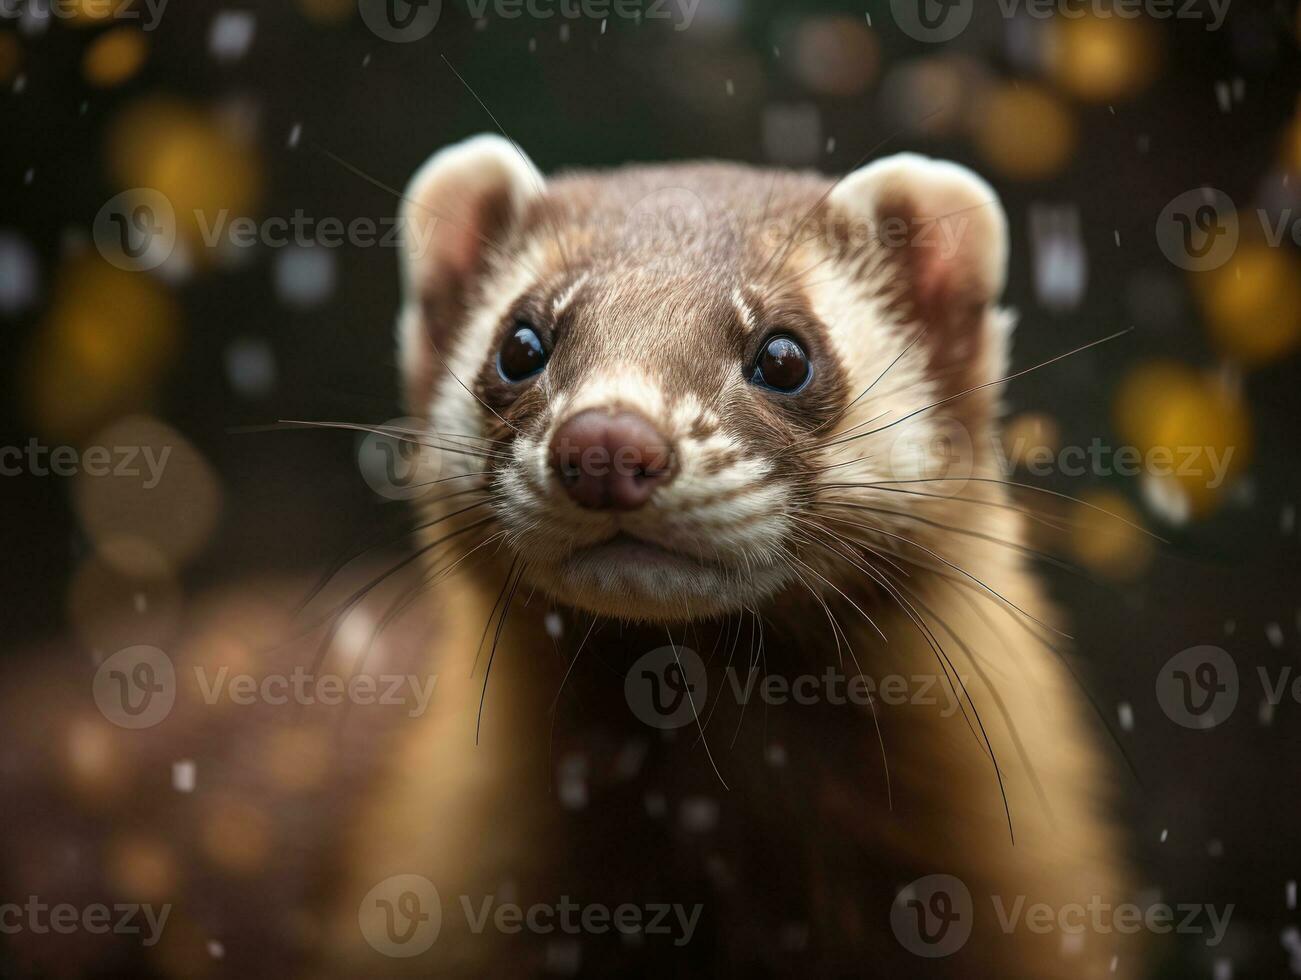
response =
{"points": [[942, 233], [458, 213]]}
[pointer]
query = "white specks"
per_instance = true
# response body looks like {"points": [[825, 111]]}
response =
{"points": [[775, 755], [1223, 969], [1274, 633], [604, 22], [554, 625], [1265, 713], [1166, 498], [1117, 236], [251, 367], [1215, 847], [1290, 892], [573, 782], [533, 45], [29, 176], [1115, 962], [19, 275], [564, 33], [1287, 522], [1230, 627], [231, 34], [184, 776], [20, 83], [295, 135], [304, 277], [1125, 714], [831, 144], [699, 814], [140, 602], [216, 950], [730, 86], [1061, 268], [365, 62], [1291, 940]]}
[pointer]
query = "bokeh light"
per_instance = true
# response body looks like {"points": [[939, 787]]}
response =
{"points": [[1253, 303], [115, 56], [1024, 132]]}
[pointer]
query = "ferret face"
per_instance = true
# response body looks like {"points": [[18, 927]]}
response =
{"points": [[668, 381]]}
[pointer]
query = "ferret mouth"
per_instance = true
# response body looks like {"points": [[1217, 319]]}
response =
{"points": [[624, 547]]}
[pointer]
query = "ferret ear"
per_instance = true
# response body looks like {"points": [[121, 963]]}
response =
{"points": [[943, 235], [457, 210]]}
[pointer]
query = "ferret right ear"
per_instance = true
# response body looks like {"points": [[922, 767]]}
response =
{"points": [[456, 212]]}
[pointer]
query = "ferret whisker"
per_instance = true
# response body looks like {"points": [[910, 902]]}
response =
{"points": [[1047, 519], [340, 565], [948, 666], [555, 702], [988, 384], [1015, 546], [337, 620], [492, 656]]}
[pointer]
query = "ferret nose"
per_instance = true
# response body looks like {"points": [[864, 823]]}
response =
{"points": [[611, 461]]}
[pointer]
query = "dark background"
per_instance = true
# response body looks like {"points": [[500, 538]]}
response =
{"points": [[293, 500]]}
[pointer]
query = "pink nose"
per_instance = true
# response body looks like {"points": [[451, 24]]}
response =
{"points": [[610, 461]]}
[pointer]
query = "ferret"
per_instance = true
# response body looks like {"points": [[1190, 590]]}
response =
{"points": [[746, 414], [741, 669]]}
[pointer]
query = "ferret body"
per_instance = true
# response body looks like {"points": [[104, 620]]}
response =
{"points": [[799, 528], [741, 416]]}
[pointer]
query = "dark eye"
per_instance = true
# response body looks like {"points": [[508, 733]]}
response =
{"points": [[782, 366], [522, 354]]}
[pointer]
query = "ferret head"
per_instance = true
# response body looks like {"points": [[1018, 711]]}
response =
{"points": [[669, 383]]}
